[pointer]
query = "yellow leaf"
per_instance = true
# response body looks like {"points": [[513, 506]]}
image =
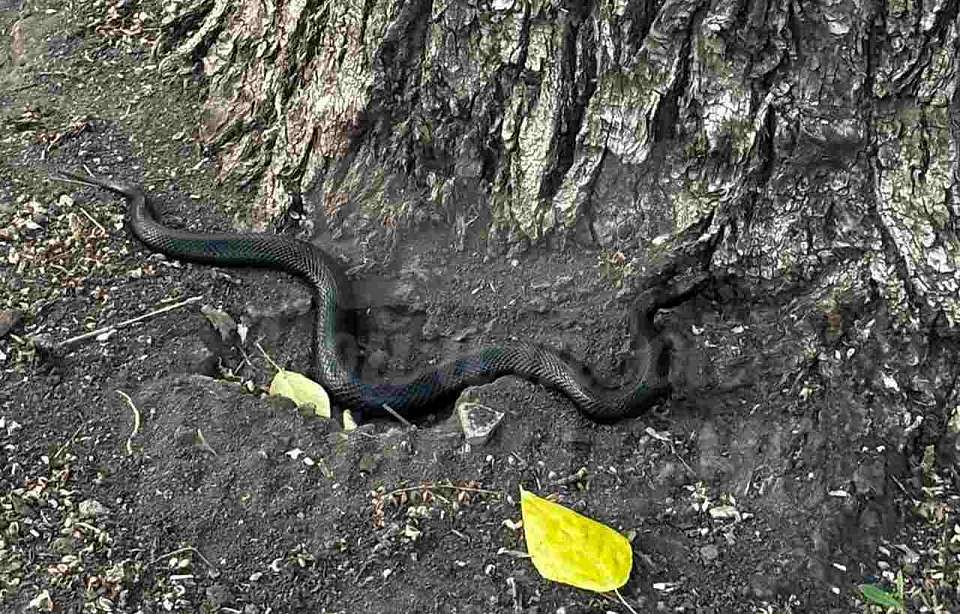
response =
{"points": [[570, 548], [349, 424], [301, 390]]}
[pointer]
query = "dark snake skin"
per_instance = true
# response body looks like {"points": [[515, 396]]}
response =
{"points": [[428, 389]]}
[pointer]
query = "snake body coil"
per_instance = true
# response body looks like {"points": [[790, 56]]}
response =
{"points": [[426, 390]]}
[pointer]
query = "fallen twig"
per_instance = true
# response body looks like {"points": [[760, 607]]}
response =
{"points": [[66, 445], [361, 433], [125, 323], [400, 418], [136, 421], [623, 601], [573, 478], [897, 482], [267, 356], [91, 218]]}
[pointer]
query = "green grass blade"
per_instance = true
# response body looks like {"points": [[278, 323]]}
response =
{"points": [[877, 596]]}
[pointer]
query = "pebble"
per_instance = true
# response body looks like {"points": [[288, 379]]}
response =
{"points": [[91, 508], [477, 421], [709, 552]]}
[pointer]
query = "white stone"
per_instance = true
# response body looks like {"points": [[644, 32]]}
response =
{"points": [[478, 422]]}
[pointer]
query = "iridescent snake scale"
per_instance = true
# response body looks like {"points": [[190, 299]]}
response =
{"points": [[427, 390]]}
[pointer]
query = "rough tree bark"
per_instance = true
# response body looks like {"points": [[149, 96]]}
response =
{"points": [[806, 153], [801, 131]]}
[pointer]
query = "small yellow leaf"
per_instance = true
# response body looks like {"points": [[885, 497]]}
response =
{"points": [[573, 549], [349, 424], [301, 390]]}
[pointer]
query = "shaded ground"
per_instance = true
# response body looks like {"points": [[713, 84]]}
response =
{"points": [[763, 498]]}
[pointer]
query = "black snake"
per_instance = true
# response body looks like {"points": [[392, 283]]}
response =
{"points": [[428, 389]]}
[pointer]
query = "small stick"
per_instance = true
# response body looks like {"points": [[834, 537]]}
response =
{"points": [[441, 497], [623, 601], [95, 222], [181, 551], [897, 482], [682, 461], [359, 432], [125, 323], [136, 421], [573, 478], [394, 413], [72, 439], [267, 356]]}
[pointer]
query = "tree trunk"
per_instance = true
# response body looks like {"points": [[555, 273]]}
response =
{"points": [[802, 155]]}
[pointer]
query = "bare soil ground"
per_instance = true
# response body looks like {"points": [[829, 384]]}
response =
{"points": [[222, 499]]}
